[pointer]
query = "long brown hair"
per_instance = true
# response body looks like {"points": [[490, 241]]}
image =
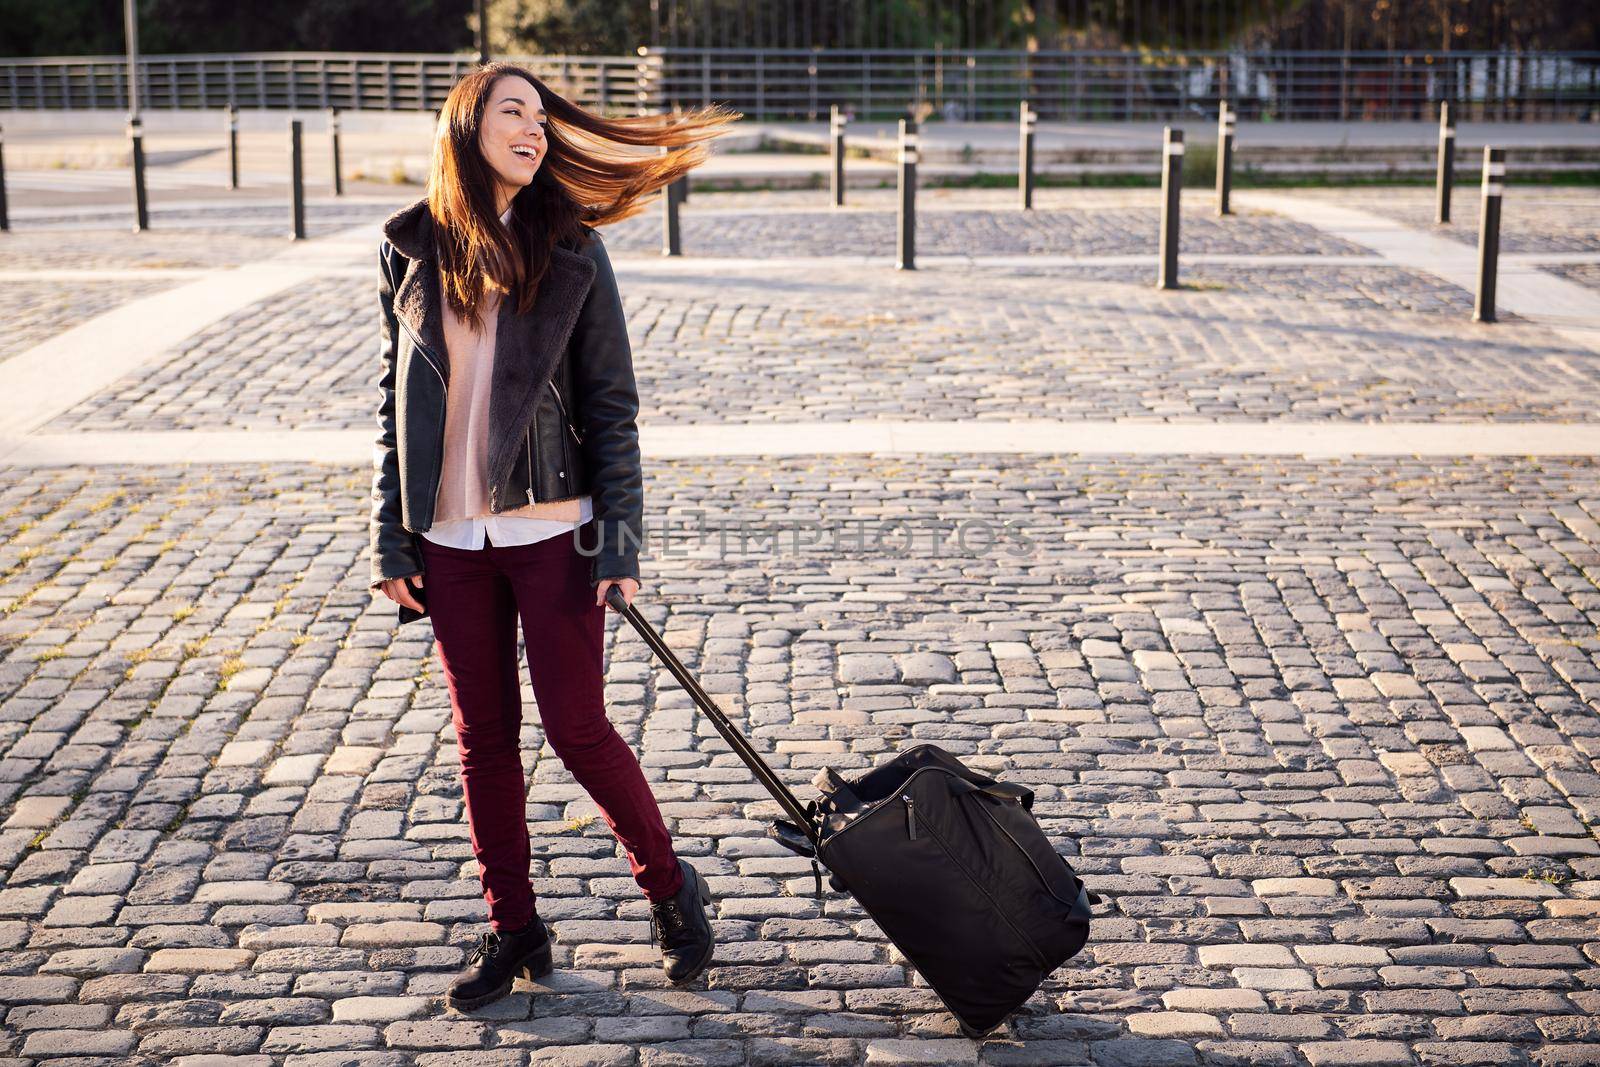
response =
{"points": [[587, 178]]}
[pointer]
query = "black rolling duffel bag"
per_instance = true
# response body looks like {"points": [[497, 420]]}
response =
{"points": [[950, 864]]}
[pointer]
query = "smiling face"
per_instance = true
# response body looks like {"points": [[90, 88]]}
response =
{"points": [[511, 135]]}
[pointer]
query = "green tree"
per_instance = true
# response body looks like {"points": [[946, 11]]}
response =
{"points": [[1196, 25], [61, 27], [94, 27], [564, 27]]}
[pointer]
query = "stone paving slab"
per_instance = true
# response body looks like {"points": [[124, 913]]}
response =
{"points": [[1582, 273], [177, 239], [37, 311], [1533, 218], [1572, 311], [120, 249], [1322, 733], [1018, 438], [244, 217], [1356, 343]]}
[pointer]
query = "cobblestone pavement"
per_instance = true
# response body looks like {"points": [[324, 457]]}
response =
{"points": [[1108, 231], [1537, 218], [804, 344], [300, 360], [1323, 733], [1354, 288], [1319, 731]]}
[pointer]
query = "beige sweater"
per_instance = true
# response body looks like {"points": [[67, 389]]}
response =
{"points": [[464, 480]]}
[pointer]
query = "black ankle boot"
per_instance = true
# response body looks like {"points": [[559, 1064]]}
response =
{"points": [[496, 963], [680, 926]]}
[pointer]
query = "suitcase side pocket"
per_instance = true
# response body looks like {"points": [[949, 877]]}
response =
{"points": [[956, 864], [1057, 913]]}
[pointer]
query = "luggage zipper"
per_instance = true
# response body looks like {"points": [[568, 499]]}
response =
{"points": [[911, 826], [873, 806], [1029, 857]]}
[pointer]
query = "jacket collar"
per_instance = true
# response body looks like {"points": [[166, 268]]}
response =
{"points": [[410, 230], [527, 348]]}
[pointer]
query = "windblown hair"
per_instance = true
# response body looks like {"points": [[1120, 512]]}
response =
{"points": [[588, 177]]}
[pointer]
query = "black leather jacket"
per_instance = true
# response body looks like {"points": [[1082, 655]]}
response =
{"points": [[562, 402]]}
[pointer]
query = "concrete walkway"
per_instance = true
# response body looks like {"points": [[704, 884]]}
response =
{"points": [[1566, 307], [1312, 440]]}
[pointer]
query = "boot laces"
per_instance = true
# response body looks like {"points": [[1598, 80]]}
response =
{"points": [[670, 922], [488, 946]]}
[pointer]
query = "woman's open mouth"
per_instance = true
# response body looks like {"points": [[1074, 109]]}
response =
{"points": [[526, 152]]}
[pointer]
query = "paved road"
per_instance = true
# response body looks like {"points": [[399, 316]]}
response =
{"points": [[1322, 730]]}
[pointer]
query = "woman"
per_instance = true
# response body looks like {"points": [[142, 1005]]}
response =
{"points": [[507, 471]]}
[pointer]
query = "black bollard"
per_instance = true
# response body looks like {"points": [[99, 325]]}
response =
{"points": [[1171, 190], [1494, 185], [1447, 160], [836, 124], [333, 136], [232, 114], [297, 184], [1025, 155], [1224, 158], [671, 234], [141, 204], [906, 220], [5, 212]]}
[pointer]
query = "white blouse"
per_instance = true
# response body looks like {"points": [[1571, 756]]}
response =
{"points": [[503, 529]]}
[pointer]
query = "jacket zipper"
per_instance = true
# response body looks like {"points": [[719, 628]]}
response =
{"points": [[527, 440], [911, 822], [560, 404], [444, 384], [427, 354]]}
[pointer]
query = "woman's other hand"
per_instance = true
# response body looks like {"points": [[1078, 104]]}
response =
{"points": [[399, 591], [628, 586]]}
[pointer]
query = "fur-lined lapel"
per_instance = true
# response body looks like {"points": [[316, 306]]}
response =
{"points": [[527, 347]]}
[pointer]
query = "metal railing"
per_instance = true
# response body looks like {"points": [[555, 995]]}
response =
{"points": [[348, 81], [1124, 86], [879, 84]]}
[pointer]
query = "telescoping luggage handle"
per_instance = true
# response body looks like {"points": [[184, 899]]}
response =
{"points": [[787, 800]]}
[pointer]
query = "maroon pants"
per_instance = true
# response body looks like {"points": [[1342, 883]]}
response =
{"points": [[475, 598]]}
